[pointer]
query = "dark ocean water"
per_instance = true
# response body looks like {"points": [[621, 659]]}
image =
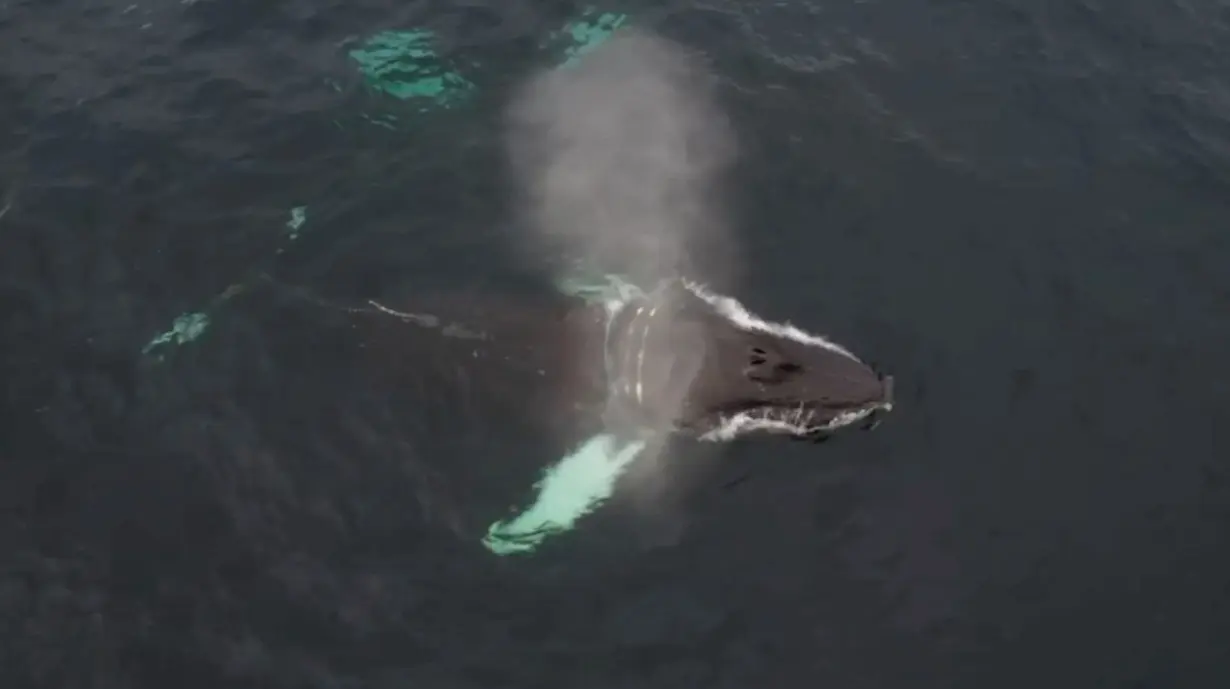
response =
{"points": [[1021, 208]]}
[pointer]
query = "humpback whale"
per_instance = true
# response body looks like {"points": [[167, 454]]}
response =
{"points": [[532, 406]]}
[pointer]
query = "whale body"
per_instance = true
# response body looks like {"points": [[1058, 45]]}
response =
{"points": [[530, 406]]}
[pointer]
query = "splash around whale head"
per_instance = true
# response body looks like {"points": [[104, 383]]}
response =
{"points": [[685, 359]]}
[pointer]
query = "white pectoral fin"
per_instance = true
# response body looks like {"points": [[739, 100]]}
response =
{"points": [[581, 481], [573, 487]]}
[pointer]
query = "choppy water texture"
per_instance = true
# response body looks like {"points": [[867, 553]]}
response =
{"points": [[1019, 208]]}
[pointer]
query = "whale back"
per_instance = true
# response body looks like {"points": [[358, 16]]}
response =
{"points": [[461, 399], [475, 360]]}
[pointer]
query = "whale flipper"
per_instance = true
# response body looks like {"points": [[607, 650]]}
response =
{"points": [[576, 485], [583, 480]]}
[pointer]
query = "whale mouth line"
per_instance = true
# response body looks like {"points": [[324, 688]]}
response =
{"points": [[798, 421]]}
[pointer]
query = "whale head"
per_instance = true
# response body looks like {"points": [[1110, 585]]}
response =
{"points": [[701, 364]]}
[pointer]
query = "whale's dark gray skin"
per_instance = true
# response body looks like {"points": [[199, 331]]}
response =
{"points": [[486, 389], [676, 360], [702, 365]]}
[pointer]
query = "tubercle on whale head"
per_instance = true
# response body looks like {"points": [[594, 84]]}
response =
{"points": [[703, 364]]}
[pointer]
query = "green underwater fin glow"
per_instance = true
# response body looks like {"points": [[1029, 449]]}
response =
{"points": [[571, 488]]}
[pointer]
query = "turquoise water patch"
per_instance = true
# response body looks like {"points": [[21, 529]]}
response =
{"points": [[185, 328], [298, 216], [191, 325], [589, 32], [405, 65], [571, 488]]}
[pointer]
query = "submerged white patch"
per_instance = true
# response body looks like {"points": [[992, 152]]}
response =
{"points": [[738, 314], [573, 487]]}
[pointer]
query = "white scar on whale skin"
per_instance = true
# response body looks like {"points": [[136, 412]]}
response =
{"points": [[640, 361], [428, 321], [644, 323]]}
